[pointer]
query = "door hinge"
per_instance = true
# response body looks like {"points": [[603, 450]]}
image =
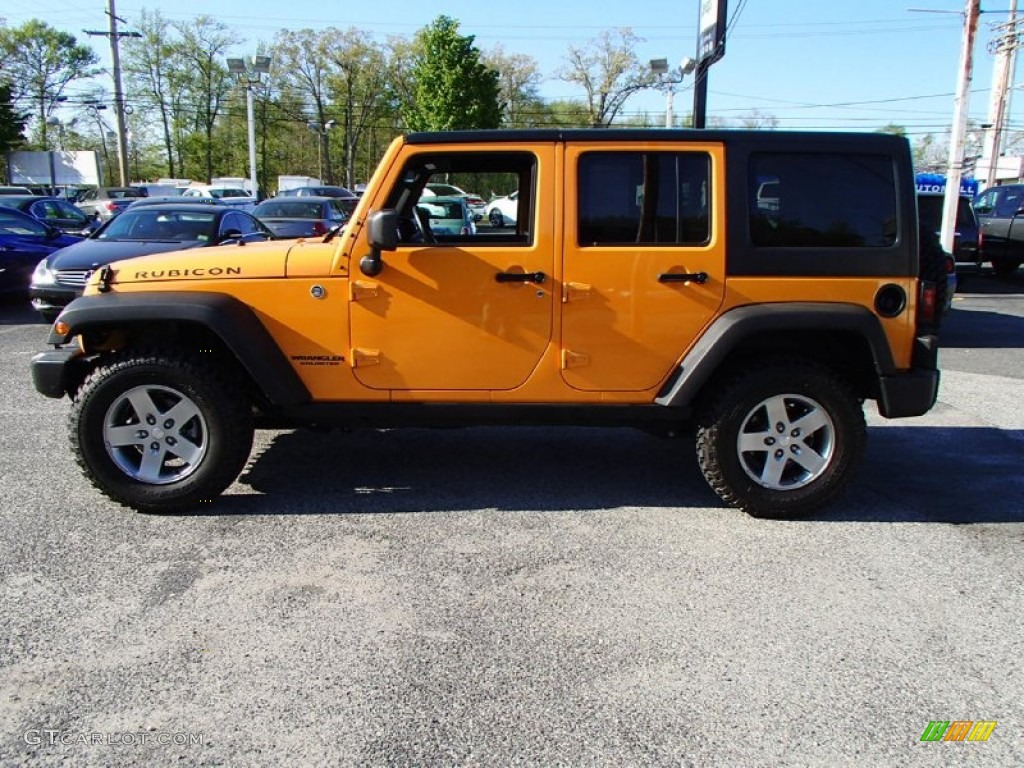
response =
{"points": [[360, 290], [575, 291], [363, 357], [572, 359]]}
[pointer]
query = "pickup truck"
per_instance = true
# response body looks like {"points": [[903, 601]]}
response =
{"points": [[1000, 211]]}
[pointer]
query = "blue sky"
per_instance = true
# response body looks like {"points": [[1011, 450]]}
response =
{"points": [[812, 65]]}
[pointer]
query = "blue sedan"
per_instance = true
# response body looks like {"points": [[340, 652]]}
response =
{"points": [[24, 240]]}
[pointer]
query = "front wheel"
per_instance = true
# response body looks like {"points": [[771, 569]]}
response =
{"points": [[781, 440], [160, 431], [497, 220]]}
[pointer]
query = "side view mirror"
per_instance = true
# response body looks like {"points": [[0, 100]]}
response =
{"points": [[230, 234], [383, 236]]}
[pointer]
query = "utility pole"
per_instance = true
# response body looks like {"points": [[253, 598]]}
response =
{"points": [[959, 130], [115, 56], [1005, 48]]}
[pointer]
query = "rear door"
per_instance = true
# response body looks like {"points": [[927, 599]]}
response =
{"points": [[644, 259]]}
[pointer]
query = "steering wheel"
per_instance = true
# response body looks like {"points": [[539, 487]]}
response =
{"points": [[422, 217]]}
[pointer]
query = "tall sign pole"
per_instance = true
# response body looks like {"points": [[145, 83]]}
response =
{"points": [[959, 130], [710, 48]]}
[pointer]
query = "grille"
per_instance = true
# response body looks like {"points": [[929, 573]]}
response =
{"points": [[73, 278]]}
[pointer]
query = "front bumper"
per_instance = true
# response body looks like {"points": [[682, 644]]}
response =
{"points": [[52, 299], [57, 372]]}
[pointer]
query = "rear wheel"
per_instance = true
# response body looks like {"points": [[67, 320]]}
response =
{"points": [[497, 220], [781, 439], [160, 431]]}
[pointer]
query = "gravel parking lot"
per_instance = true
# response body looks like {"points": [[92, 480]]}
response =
{"points": [[522, 597]]}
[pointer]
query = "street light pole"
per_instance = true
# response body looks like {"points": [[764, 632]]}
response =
{"points": [[668, 80], [250, 76], [251, 119], [321, 136]]}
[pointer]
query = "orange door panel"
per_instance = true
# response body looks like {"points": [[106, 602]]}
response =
{"points": [[438, 317], [628, 310]]}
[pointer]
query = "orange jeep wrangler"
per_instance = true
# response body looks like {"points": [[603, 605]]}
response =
{"points": [[757, 286]]}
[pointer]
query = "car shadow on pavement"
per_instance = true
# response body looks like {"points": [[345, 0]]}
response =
{"points": [[910, 474], [957, 475], [417, 470], [978, 329], [17, 311], [988, 283]]}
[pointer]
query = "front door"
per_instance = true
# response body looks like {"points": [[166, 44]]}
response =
{"points": [[644, 265], [460, 311]]}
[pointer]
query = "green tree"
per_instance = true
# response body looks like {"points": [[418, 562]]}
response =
{"points": [[150, 62], [609, 72], [302, 64], [519, 83], [451, 88], [12, 122], [205, 83], [38, 62], [894, 129], [756, 120], [360, 87]]}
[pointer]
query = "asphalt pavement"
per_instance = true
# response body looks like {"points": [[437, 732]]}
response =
{"points": [[523, 596]]}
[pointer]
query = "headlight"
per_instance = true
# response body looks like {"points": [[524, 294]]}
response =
{"points": [[43, 275]]}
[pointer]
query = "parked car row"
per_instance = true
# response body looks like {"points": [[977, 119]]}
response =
{"points": [[51, 246]]}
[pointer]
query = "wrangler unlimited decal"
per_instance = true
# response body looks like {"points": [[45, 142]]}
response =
{"points": [[318, 359]]}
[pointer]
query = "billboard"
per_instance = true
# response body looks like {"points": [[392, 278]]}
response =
{"points": [[53, 169], [711, 43]]}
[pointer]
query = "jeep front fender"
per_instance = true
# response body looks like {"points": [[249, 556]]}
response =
{"points": [[232, 321]]}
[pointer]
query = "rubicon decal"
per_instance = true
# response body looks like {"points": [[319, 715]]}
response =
{"points": [[158, 274], [958, 730]]}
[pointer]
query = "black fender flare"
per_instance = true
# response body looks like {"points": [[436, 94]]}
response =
{"points": [[729, 330], [231, 320]]}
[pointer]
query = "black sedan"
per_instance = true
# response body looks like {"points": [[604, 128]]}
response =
{"points": [[302, 216], [54, 212], [25, 240], [138, 232]]}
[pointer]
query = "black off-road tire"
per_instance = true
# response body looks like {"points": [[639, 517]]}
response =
{"points": [[214, 415], [744, 403]]}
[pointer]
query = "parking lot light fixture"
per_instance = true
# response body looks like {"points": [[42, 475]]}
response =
{"points": [[669, 79], [249, 75]]}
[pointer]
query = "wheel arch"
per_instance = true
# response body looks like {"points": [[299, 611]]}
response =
{"points": [[206, 323], [846, 338]]}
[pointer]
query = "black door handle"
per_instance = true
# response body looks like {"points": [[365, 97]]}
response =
{"points": [[683, 277], [520, 277]]}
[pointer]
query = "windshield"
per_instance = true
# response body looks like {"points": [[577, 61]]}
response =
{"points": [[161, 226]]}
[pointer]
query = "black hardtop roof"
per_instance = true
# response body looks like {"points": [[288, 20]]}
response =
{"points": [[772, 138]]}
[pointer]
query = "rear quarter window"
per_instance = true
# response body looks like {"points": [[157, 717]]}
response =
{"points": [[818, 200]]}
